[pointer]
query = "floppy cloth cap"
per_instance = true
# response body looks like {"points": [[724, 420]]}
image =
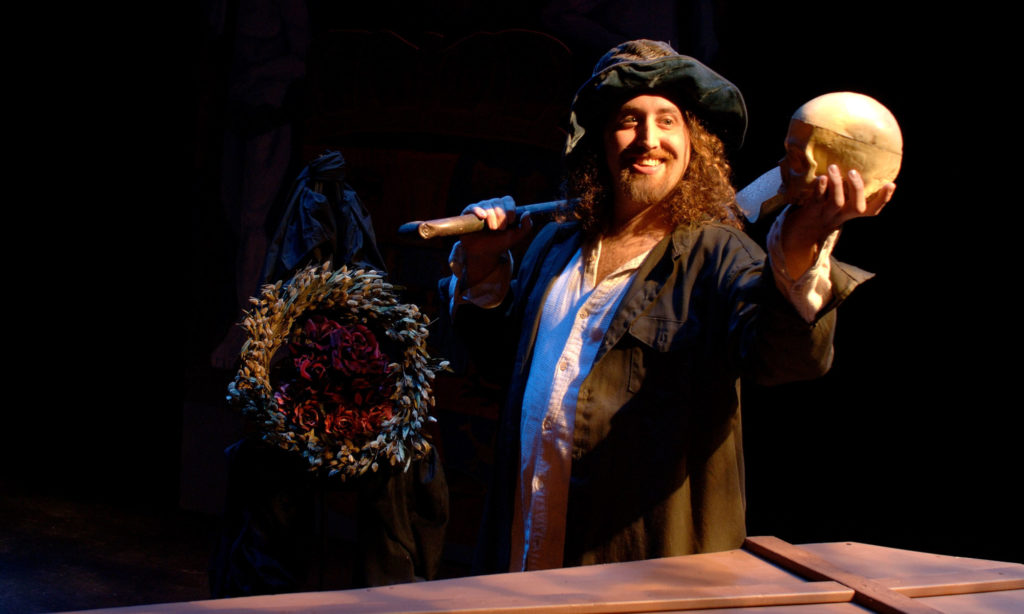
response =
{"points": [[685, 81]]}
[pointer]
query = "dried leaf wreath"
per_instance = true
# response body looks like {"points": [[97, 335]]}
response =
{"points": [[335, 368]]}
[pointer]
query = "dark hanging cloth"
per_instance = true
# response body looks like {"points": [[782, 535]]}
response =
{"points": [[324, 220], [272, 541], [268, 535], [271, 534]]}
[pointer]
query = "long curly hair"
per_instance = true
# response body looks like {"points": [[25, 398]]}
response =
{"points": [[704, 193]]}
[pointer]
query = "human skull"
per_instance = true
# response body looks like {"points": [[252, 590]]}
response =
{"points": [[850, 130]]}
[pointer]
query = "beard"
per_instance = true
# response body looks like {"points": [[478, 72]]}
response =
{"points": [[645, 190]]}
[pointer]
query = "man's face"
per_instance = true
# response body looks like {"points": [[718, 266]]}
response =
{"points": [[647, 148]]}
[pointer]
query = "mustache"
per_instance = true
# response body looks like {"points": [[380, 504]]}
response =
{"points": [[632, 153]]}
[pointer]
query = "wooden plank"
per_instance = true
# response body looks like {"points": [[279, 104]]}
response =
{"points": [[957, 583], [872, 561], [663, 600], [990, 602], [405, 599], [868, 593], [731, 580]]}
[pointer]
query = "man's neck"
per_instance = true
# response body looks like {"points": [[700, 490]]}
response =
{"points": [[630, 234], [634, 219]]}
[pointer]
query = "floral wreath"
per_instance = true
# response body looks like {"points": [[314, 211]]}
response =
{"points": [[351, 373]]}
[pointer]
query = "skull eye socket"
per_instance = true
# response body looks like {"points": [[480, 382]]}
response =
{"points": [[797, 161]]}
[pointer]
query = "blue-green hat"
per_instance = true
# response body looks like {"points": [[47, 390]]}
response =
{"points": [[685, 81]]}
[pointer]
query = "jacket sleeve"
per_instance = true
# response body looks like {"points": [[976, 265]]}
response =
{"points": [[787, 348], [768, 340]]}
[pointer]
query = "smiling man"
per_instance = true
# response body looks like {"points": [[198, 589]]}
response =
{"points": [[629, 325]]}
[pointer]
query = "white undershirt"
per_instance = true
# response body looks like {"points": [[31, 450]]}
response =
{"points": [[573, 322]]}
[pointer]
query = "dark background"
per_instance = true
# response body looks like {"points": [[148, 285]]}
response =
{"points": [[123, 275]]}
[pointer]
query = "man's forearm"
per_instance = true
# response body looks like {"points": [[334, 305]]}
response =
{"points": [[810, 288]]}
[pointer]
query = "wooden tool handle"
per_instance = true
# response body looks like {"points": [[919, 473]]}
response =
{"points": [[464, 224]]}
